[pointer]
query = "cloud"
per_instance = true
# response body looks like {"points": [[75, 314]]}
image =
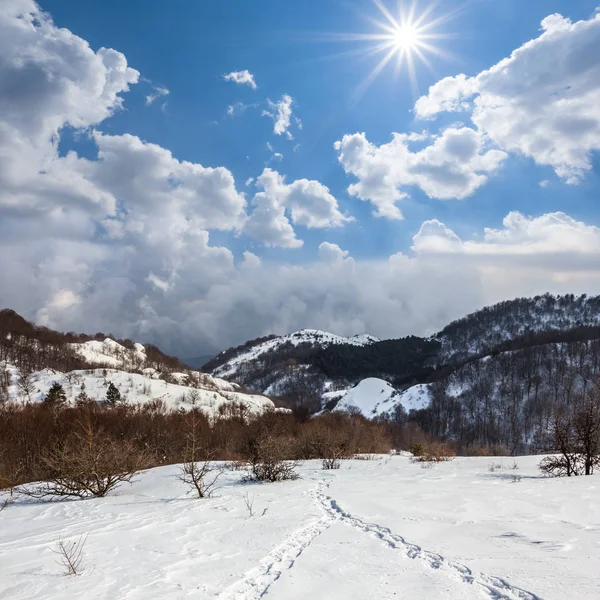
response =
{"points": [[541, 102], [308, 203], [241, 78], [453, 165], [158, 92], [447, 95], [239, 108], [120, 241], [332, 253], [281, 113], [251, 261]]}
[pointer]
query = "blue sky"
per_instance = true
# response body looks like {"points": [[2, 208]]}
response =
{"points": [[188, 46], [432, 213]]}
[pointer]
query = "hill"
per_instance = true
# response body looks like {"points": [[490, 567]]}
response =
{"points": [[493, 377], [33, 358]]}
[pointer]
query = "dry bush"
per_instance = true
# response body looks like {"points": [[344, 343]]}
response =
{"points": [[87, 464], [201, 477], [435, 453], [249, 502], [198, 472], [71, 555], [269, 460], [418, 449], [477, 450]]}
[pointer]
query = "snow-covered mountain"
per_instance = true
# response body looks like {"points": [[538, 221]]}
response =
{"points": [[490, 376], [229, 362], [32, 359]]}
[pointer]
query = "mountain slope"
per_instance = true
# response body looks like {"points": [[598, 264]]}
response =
{"points": [[33, 358], [493, 377]]}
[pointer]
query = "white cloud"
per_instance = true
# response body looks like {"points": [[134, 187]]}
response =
{"points": [[239, 108], [251, 261], [448, 94], [308, 203], [542, 102], [241, 78], [281, 113], [120, 243], [332, 253], [453, 165], [158, 92]]}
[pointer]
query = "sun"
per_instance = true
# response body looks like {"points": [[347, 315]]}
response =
{"points": [[405, 38], [401, 35]]}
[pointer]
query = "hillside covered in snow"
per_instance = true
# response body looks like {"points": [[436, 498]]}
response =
{"points": [[492, 377], [33, 359]]}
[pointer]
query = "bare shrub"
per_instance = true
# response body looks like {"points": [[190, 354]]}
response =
{"points": [[269, 460], [71, 555], [249, 502], [331, 463], [435, 453], [87, 464], [198, 472], [201, 477]]}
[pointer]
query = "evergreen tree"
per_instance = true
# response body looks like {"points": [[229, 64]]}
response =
{"points": [[56, 396], [113, 395], [82, 397]]}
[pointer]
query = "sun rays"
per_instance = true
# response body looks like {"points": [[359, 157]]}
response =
{"points": [[402, 36]]}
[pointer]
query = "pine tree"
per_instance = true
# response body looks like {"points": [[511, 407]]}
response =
{"points": [[56, 396], [82, 397], [113, 396]]}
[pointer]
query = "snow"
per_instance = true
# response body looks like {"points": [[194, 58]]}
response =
{"points": [[374, 529], [374, 397], [304, 336], [110, 353], [142, 389]]}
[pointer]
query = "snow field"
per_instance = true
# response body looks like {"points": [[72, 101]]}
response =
{"points": [[374, 529]]}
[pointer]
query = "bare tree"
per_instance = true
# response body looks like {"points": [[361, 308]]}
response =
{"points": [[198, 471], [567, 461], [71, 555], [587, 431], [25, 383], [88, 464]]}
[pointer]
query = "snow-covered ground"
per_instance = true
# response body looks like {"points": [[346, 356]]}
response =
{"points": [[135, 388], [374, 397], [110, 353], [304, 336], [375, 529]]}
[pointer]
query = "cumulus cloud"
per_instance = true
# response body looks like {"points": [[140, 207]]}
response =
{"points": [[241, 78], [308, 203], [542, 101], [120, 241], [453, 165], [332, 253], [251, 261], [281, 113]]}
